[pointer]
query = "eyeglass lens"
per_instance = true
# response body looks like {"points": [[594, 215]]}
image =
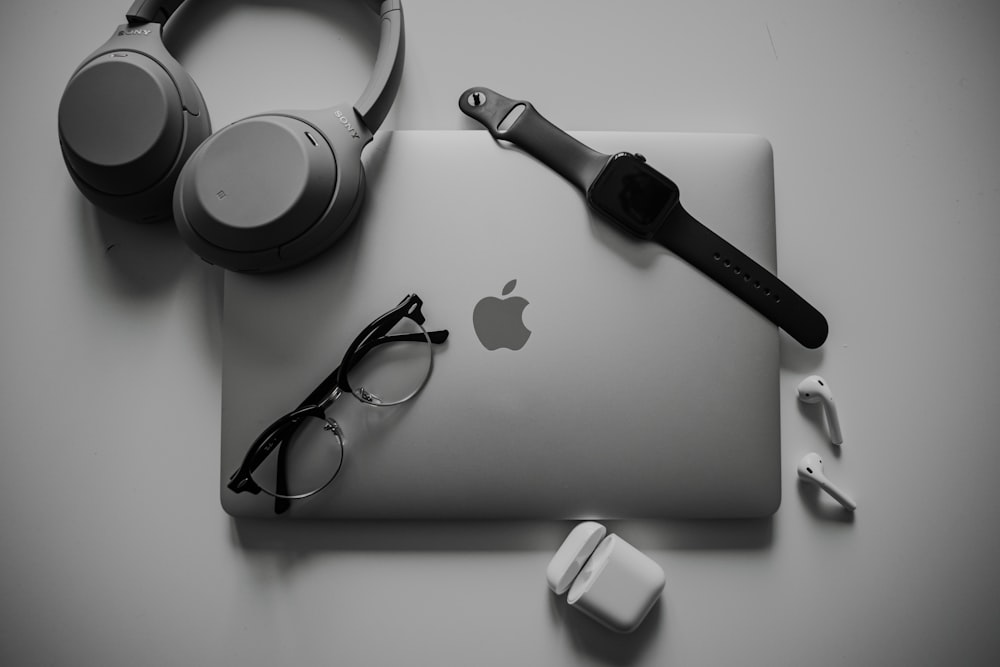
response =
{"points": [[304, 463], [393, 372]]}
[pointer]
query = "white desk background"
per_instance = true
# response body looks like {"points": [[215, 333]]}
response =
{"points": [[884, 120]]}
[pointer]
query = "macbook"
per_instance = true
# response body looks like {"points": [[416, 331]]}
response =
{"points": [[586, 374]]}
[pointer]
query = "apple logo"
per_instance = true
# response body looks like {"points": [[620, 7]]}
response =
{"points": [[498, 322]]}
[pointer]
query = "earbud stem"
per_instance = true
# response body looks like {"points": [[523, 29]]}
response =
{"points": [[838, 495], [833, 423]]}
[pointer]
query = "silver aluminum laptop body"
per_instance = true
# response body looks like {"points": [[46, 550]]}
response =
{"points": [[643, 390]]}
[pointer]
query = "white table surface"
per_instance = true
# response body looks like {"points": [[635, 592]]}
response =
{"points": [[883, 117]]}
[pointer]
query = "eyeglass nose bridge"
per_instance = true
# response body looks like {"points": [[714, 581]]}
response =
{"points": [[331, 399]]}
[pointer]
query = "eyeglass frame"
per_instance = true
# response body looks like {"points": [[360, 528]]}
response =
{"points": [[326, 393]]}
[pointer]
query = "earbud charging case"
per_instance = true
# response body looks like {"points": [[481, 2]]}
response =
{"points": [[607, 578]]}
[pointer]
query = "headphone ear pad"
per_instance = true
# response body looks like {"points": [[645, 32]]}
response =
{"points": [[125, 132]]}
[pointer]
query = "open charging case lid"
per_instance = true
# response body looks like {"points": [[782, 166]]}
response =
{"points": [[573, 554]]}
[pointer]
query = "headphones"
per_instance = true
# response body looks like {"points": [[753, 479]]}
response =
{"points": [[262, 194]]}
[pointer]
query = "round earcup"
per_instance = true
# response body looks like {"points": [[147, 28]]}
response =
{"points": [[125, 133], [267, 192], [258, 183]]}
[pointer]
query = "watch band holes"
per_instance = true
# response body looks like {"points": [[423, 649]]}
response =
{"points": [[738, 270]]}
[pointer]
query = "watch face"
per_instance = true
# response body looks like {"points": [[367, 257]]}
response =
{"points": [[633, 194]]}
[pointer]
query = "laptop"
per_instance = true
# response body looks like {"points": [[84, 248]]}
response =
{"points": [[642, 390]]}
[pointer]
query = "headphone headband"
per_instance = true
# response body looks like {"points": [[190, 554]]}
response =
{"points": [[158, 11], [377, 98], [374, 103], [151, 11]]}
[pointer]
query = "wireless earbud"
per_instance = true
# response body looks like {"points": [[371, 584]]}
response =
{"points": [[814, 389], [811, 470]]}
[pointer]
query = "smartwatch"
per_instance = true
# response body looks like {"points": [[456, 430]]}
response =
{"points": [[645, 204]]}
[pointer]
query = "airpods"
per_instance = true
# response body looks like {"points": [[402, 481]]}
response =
{"points": [[811, 470], [814, 389]]}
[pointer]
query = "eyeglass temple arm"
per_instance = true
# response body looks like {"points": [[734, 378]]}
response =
{"points": [[256, 455]]}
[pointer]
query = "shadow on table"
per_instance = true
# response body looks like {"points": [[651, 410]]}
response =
{"points": [[304, 536]]}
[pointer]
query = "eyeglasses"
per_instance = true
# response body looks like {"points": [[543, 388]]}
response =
{"points": [[388, 363]]}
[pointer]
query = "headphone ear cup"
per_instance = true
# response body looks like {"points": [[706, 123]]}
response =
{"points": [[272, 191], [252, 188], [125, 133]]}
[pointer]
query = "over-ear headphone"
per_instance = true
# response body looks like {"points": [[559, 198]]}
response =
{"points": [[264, 193]]}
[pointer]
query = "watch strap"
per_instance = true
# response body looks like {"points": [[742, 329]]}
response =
{"points": [[532, 132], [698, 245]]}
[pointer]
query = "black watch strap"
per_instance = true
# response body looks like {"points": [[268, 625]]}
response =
{"points": [[681, 233], [577, 163], [730, 267]]}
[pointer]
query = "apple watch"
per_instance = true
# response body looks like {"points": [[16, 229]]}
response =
{"points": [[645, 204]]}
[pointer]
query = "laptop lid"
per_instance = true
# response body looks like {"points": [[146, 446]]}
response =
{"points": [[643, 389]]}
